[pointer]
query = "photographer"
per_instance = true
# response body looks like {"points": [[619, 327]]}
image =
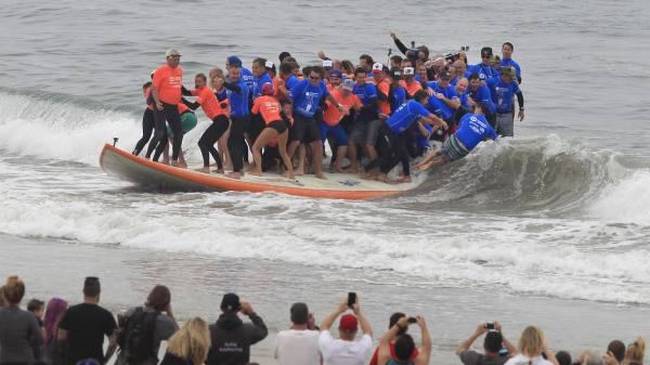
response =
{"points": [[404, 346], [346, 350], [492, 344]]}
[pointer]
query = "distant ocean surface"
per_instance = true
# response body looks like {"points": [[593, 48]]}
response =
{"points": [[559, 213]]}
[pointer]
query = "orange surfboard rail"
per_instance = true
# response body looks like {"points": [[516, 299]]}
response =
{"points": [[117, 162]]}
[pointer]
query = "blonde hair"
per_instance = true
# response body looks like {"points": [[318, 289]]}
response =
{"points": [[14, 290], [635, 352], [531, 342], [191, 342]]}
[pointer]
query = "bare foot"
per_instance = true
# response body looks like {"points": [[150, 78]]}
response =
{"points": [[321, 176], [288, 175], [403, 179], [254, 172], [165, 161], [234, 175], [218, 171], [182, 164], [299, 172], [205, 170]]}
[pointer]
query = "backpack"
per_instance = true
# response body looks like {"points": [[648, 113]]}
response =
{"points": [[137, 338]]}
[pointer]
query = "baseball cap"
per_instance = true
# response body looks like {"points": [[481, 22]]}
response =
{"points": [[327, 63], [377, 68], [172, 52], [335, 73], [486, 52], [396, 73], [348, 84], [230, 302], [348, 323], [234, 61], [267, 88], [268, 64], [409, 71]]}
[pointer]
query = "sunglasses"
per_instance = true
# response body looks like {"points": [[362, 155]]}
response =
{"points": [[312, 77]]}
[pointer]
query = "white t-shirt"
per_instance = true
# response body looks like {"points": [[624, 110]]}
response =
{"points": [[339, 352], [525, 360], [295, 347]]}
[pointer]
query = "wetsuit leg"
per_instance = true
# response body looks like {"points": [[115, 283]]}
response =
{"points": [[147, 130], [236, 141], [210, 137], [160, 135], [383, 148], [174, 120]]}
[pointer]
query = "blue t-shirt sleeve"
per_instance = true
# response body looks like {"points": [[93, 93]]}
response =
{"points": [[420, 109], [297, 90], [371, 91], [451, 93], [323, 90]]}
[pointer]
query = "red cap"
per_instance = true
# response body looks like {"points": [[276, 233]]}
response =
{"points": [[267, 89], [349, 323]]}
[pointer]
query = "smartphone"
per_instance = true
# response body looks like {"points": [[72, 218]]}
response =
{"points": [[412, 320], [352, 299], [489, 326]]}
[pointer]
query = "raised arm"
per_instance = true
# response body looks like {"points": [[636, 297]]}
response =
{"points": [[402, 48], [480, 330], [329, 320], [363, 321], [425, 348]]}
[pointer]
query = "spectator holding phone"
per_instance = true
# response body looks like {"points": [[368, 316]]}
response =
{"points": [[402, 351], [391, 322], [492, 344], [533, 349], [299, 344], [346, 350]]}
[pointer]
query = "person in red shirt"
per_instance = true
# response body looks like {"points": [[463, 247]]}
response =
{"points": [[166, 92], [409, 82], [214, 110], [269, 108], [331, 125]]}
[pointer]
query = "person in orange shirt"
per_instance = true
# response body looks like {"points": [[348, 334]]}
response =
{"points": [[212, 109], [331, 125], [409, 82], [269, 108], [166, 92]]}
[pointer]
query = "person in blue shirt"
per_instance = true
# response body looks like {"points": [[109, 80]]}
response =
{"points": [[365, 128], [307, 96], [246, 74], [483, 69], [472, 130], [395, 136], [238, 95], [506, 59], [445, 93], [503, 90], [480, 94]]}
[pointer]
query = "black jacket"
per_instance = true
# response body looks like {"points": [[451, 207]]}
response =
{"points": [[232, 339]]}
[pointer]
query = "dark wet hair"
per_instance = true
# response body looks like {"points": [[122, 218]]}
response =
{"points": [[201, 76], [493, 342], [486, 51], [404, 346], [473, 76], [360, 70], [421, 94], [425, 50], [291, 60], [283, 56], [509, 45], [299, 313], [260, 62], [347, 66], [159, 298], [146, 85], [287, 67], [396, 58], [92, 287], [563, 358], [35, 305], [394, 318], [318, 69], [367, 58], [617, 348]]}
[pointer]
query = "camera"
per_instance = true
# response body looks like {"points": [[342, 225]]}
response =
{"points": [[489, 326], [412, 320]]}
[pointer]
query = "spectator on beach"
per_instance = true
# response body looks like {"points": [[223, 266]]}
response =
{"points": [[37, 308], [143, 328], [20, 336], [189, 345], [84, 326], [54, 312], [615, 352], [231, 338], [588, 358], [563, 358], [391, 322], [492, 344], [404, 346], [634, 354], [299, 344], [533, 349], [346, 350]]}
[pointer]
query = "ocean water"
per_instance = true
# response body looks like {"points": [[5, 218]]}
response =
{"points": [[557, 215]]}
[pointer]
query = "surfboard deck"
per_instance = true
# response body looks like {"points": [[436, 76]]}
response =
{"points": [[153, 175]]}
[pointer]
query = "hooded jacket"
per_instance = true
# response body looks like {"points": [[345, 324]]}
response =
{"points": [[232, 339]]}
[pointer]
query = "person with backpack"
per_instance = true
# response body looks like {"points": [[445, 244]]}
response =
{"points": [[231, 338], [143, 328]]}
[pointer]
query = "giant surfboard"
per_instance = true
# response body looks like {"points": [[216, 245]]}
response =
{"points": [[157, 176]]}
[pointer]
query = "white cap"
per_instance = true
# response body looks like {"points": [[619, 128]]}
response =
{"points": [[377, 67], [327, 63], [409, 71], [172, 52], [268, 64]]}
